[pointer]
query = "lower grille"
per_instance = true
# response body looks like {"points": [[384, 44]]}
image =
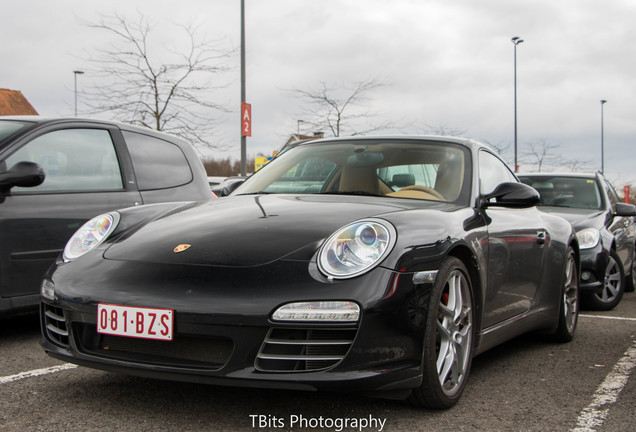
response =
{"points": [[55, 325], [302, 350], [182, 351]]}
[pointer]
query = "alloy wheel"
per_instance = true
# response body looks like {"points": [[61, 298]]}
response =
{"points": [[454, 333], [570, 295], [612, 282]]}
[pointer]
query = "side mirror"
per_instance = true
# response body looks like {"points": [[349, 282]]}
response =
{"points": [[516, 195], [23, 174], [231, 187], [625, 210], [227, 187]]}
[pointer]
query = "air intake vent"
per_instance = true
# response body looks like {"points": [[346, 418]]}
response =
{"points": [[55, 325], [303, 350], [184, 351]]}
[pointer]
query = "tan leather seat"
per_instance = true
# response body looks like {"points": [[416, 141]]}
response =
{"points": [[361, 179]]}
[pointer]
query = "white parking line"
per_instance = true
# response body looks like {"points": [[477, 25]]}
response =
{"points": [[36, 372], [595, 413], [607, 317]]}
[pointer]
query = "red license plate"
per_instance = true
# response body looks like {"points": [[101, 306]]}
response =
{"points": [[139, 322]]}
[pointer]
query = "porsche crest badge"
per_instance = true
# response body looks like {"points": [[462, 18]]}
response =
{"points": [[182, 247]]}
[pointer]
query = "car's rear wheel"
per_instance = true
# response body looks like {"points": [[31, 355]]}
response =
{"points": [[612, 288], [569, 305], [448, 338]]}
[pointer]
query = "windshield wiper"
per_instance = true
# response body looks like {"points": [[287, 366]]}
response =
{"points": [[256, 193], [354, 192]]}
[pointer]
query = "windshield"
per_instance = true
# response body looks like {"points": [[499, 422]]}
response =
{"points": [[397, 169], [574, 192], [8, 128]]}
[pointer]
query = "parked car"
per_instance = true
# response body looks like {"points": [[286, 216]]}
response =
{"points": [[359, 264], [605, 229], [55, 174], [215, 180]]}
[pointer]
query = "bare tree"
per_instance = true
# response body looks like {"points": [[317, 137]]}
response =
{"points": [[541, 153], [340, 110], [500, 147], [577, 165], [162, 88], [444, 130]]}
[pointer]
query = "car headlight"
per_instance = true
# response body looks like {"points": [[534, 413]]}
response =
{"points": [[90, 235], [356, 248], [588, 238]]}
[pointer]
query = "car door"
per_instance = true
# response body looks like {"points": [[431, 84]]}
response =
{"points": [[622, 227], [516, 246], [88, 172]]}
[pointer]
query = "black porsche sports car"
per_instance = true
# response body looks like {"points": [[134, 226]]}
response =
{"points": [[362, 264]]}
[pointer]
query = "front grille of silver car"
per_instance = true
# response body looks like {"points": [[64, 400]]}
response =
{"points": [[55, 325], [303, 349]]}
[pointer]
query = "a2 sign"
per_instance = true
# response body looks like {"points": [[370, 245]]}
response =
{"points": [[246, 119]]}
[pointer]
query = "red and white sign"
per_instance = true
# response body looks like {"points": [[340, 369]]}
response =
{"points": [[246, 119], [139, 322]]}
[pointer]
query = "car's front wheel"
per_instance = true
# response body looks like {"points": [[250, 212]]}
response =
{"points": [[448, 338], [569, 305], [612, 288]]}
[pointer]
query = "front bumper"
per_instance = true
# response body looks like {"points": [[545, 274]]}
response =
{"points": [[223, 339], [593, 265]]}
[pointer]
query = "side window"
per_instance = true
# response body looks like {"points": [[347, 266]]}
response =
{"points": [[73, 160], [158, 164], [492, 172], [613, 196]]}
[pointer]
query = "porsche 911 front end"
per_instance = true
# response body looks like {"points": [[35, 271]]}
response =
{"points": [[290, 315]]}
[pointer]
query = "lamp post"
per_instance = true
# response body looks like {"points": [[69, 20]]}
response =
{"points": [[603, 102], [516, 41], [243, 137], [75, 74]]}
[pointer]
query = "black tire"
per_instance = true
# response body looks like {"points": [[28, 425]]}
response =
{"points": [[612, 288], [569, 300], [448, 338]]}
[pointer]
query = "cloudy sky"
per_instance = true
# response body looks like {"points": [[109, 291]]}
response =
{"points": [[443, 64]]}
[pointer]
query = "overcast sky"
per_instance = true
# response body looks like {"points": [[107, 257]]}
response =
{"points": [[443, 63]]}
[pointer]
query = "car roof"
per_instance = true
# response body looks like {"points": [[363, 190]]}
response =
{"points": [[42, 120], [559, 174], [466, 142]]}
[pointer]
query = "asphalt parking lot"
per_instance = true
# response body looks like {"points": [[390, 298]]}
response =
{"points": [[527, 384]]}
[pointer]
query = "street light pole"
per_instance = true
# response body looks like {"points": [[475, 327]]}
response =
{"points": [[75, 74], [243, 137], [516, 41], [603, 102]]}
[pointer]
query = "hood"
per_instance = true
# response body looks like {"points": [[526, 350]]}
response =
{"points": [[578, 218], [248, 230]]}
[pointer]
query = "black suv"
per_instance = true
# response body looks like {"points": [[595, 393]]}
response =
{"points": [[604, 227], [55, 174]]}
